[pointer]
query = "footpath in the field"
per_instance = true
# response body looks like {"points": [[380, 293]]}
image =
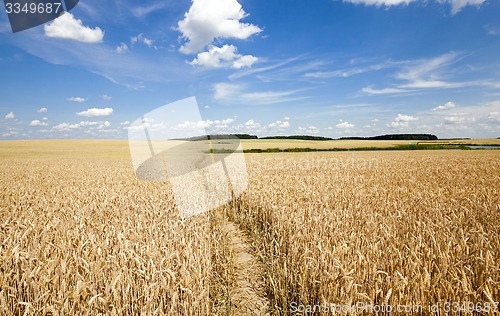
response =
{"points": [[248, 295]]}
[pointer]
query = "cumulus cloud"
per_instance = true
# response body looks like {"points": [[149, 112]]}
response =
{"points": [[402, 120], [38, 123], [106, 97], [251, 124], [42, 110], [212, 125], [10, 116], [345, 125], [280, 124], [93, 112], [447, 105], [225, 56], [89, 124], [65, 127], [68, 27], [76, 99], [208, 20]]}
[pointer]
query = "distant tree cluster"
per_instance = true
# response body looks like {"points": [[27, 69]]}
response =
{"points": [[397, 137], [301, 137]]}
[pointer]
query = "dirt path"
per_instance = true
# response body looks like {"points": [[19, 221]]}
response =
{"points": [[248, 295]]}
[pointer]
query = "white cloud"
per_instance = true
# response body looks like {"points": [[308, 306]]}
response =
{"points": [[424, 73], [345, 73], [68, 27], [65, 127], [104, 125], [38, 123], [280, 124], [310, 129], [379, 3], [10, 116], [125, 123], [143, 11], [447, 105], [458, 5], [345, 125], [106, 97], [459, 118], [91, 125], [76, 99], [209, 125], [226, 90], [225, 56], [494, 116], [402, 120], [142, 39], [93, 112], [42, 110], [371, 91], [122, 48], [207, 20], [231, 92], [251, 124], [88, 123]]}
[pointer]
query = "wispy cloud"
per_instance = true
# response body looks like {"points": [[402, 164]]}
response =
{"points": [[229, 92], [456, 5], [347, 72], [142, 11], [428, 73], [372, 91], [77, 99], [446, 106]]}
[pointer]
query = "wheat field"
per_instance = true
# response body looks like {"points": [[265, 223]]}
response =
{"points": [[82, 236]]}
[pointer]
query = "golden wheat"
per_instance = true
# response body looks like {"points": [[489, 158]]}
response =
{"points": [[407, 228], [82, 236]]}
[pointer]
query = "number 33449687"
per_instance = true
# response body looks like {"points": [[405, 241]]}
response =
{"points": [[33, 8]]}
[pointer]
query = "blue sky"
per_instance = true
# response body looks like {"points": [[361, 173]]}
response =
{"points": [[322, 67]]}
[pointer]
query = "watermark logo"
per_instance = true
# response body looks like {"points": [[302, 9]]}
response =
{"points": [[171, 143], [25, 14]]}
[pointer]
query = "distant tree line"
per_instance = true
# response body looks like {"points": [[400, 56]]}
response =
{"points": [[318, 138], [301, 137], [397, 137]]}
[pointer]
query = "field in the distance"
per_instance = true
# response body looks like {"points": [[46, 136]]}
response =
{"points": [[350, 144], [81, 235]]}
